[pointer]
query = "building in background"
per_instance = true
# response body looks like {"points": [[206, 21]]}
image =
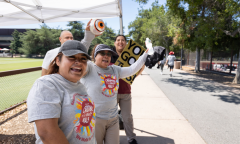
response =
{"points": [[6, 36]]}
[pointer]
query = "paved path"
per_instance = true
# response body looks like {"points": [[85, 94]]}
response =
{"points": [[212, 109], [156, 119]]}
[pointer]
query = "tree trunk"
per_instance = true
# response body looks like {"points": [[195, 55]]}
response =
{"points": [[197, 62], [237, 77], [167, 51]]}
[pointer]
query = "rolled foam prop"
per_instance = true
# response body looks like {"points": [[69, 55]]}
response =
{"points": [[97, 26]]}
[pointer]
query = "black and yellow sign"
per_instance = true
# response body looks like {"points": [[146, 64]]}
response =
{"points": [[130, 54]]}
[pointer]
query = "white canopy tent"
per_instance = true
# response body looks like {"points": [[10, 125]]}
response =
{"points": [[17, 12]]}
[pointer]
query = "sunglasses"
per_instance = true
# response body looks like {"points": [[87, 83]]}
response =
{"points": [[103, 53]]}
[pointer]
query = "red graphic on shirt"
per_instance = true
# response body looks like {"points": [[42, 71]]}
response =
{"points": [[110, 82], [87, 113]]}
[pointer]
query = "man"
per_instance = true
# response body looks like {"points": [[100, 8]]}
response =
{"points": [[64, 36], [124, 97], [51, 54]]}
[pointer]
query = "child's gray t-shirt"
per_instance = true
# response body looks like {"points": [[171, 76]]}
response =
{"points": [[52, 96], [171, 59], [102, 85]]}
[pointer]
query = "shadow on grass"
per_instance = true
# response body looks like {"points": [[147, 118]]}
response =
{"points": [[154, 139], [230, 94]]}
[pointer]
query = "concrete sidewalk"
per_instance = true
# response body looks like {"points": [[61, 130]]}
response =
{"points": [[156, 119]]}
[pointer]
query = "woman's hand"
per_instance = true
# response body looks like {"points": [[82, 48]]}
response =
{"points": [[146, 51], [88, 27]]}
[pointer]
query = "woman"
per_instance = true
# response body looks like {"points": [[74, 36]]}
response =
{"points": [[161, 64], [102, 82], [59, 104], [124, 97], [170, 61]]}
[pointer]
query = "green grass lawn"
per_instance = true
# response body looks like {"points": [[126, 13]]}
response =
{"points": [[15, 88], [7, 64]]}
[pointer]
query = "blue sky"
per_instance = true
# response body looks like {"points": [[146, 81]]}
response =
{"points": [[130, 12]]}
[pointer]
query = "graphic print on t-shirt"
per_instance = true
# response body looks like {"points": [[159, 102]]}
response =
{"points": [[84, 118], [109, 84]]}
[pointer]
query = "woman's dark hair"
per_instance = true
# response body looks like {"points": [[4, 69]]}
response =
{"points": [[122, 36], [53, 67], [93, 51]]}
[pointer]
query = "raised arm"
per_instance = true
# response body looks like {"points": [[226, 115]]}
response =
{"points": [[88, 36], [134, 68]]}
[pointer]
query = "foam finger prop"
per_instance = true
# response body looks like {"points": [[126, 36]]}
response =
{"points": [[97, 26]]}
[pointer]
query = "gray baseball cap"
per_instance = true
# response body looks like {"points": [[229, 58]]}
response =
{"points": [[73, 47], [102, 47]]}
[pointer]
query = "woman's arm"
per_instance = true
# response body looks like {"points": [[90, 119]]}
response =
{"points": [[134, 68], [141, 70], [49, 131], [88, 36]]}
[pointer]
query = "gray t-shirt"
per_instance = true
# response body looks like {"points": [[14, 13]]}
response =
{"points": [[102, 85], [52, 96], [171, 59]]}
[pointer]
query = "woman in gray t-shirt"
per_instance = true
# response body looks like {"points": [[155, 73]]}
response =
{"points": [[59, 104], [102, 82]]}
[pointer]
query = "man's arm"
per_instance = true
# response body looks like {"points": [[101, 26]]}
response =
{"points": [[166, 62], [44, 72], [49, 131]]}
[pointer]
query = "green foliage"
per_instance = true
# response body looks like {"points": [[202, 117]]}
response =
{"points": [[39, 41], [141, 1], [203, 22], [16, 43], [154, 24], [76, 29], [108, 38]]}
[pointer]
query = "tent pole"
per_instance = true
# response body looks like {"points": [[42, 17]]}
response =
{"points": [[121, 24]]}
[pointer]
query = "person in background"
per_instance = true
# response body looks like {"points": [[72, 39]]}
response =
{"points": [[58, 104], [170, 61], [161, 65], [64, 36], [124, 97]]}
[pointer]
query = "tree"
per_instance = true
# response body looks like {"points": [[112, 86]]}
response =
{"points": [[154, 24], [16, 43], [76, 29], [204, 21], [39, 41]]}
